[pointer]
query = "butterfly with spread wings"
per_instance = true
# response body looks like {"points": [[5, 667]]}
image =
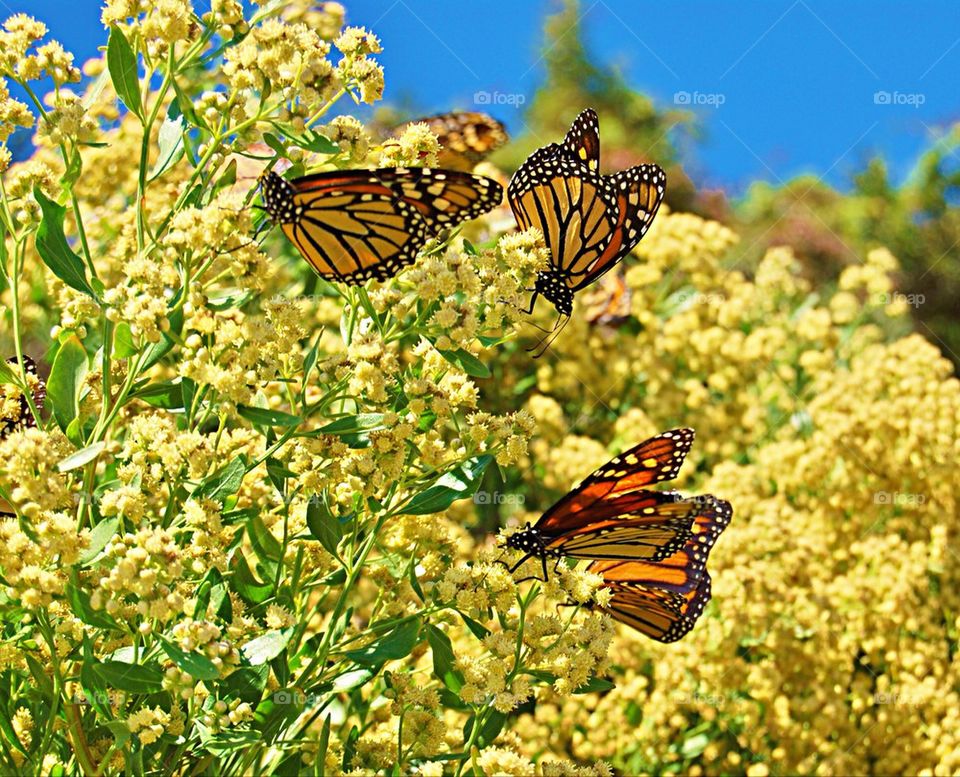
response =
{"points": [[354, 225], [589, 221], [656, 541], [466, 137]]}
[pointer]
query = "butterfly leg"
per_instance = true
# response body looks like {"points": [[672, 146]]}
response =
{"points": [[545, 342]]}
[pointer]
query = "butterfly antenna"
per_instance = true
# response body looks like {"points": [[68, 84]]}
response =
{"points": [[546, 341]]}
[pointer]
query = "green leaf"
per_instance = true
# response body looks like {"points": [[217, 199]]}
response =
{"points": [[90, 683], [66, 379], [6, 374], [123, 345], [444, 659], [201, 667], [264, 544], [477, 629], [315, 142], [81, 457], [135, 678], [122, 64], [323, 525], [246, 683], [460, 483], [170, 140], [694, 746], [53, 247], [350, 680], [263, 417], [351, 424], [267, 646], [100, 535], [72, 174], [166, 395], [595, 684], [395, 645], [245, 584], [81, 607], [223, 483], [469, 248], [491, 729], [467, 362]]}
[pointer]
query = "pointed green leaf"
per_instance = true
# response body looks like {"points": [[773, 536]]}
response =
{"points": [[201, 667], [263, 417], [53, 247], [459, 483], [81, 457], [122, 64], [170, 140], [267, 646], [394, 645], [135, 678], [323, 525], [66, 379]]}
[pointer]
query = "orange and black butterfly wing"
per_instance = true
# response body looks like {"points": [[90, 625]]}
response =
{"points": [[354, 225], [608, 303], [466, 137], [661, 615], [650, 525], [582, 140], [652, 461], [681, 571], [570, 204]]}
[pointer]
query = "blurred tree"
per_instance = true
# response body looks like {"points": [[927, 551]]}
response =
{"points": [[633, 131]]}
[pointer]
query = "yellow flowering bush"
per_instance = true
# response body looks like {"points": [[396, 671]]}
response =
{"points": [[252, 530]]}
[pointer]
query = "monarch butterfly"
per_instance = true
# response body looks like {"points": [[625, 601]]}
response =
{"points": [[354, 225], [608, 303], [666, 616], [15, 411], [589, 221], [611, 515], [466, 137]]}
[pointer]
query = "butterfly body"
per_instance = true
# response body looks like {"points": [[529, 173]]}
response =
{"points": [[357, 225]]}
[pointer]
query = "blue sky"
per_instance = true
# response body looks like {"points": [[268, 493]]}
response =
{"points": [[781, 87]]}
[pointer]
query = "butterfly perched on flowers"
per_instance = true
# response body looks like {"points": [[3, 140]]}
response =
{"points": [[657, 541], [589, 221], [466, 137], [354, 225]]}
